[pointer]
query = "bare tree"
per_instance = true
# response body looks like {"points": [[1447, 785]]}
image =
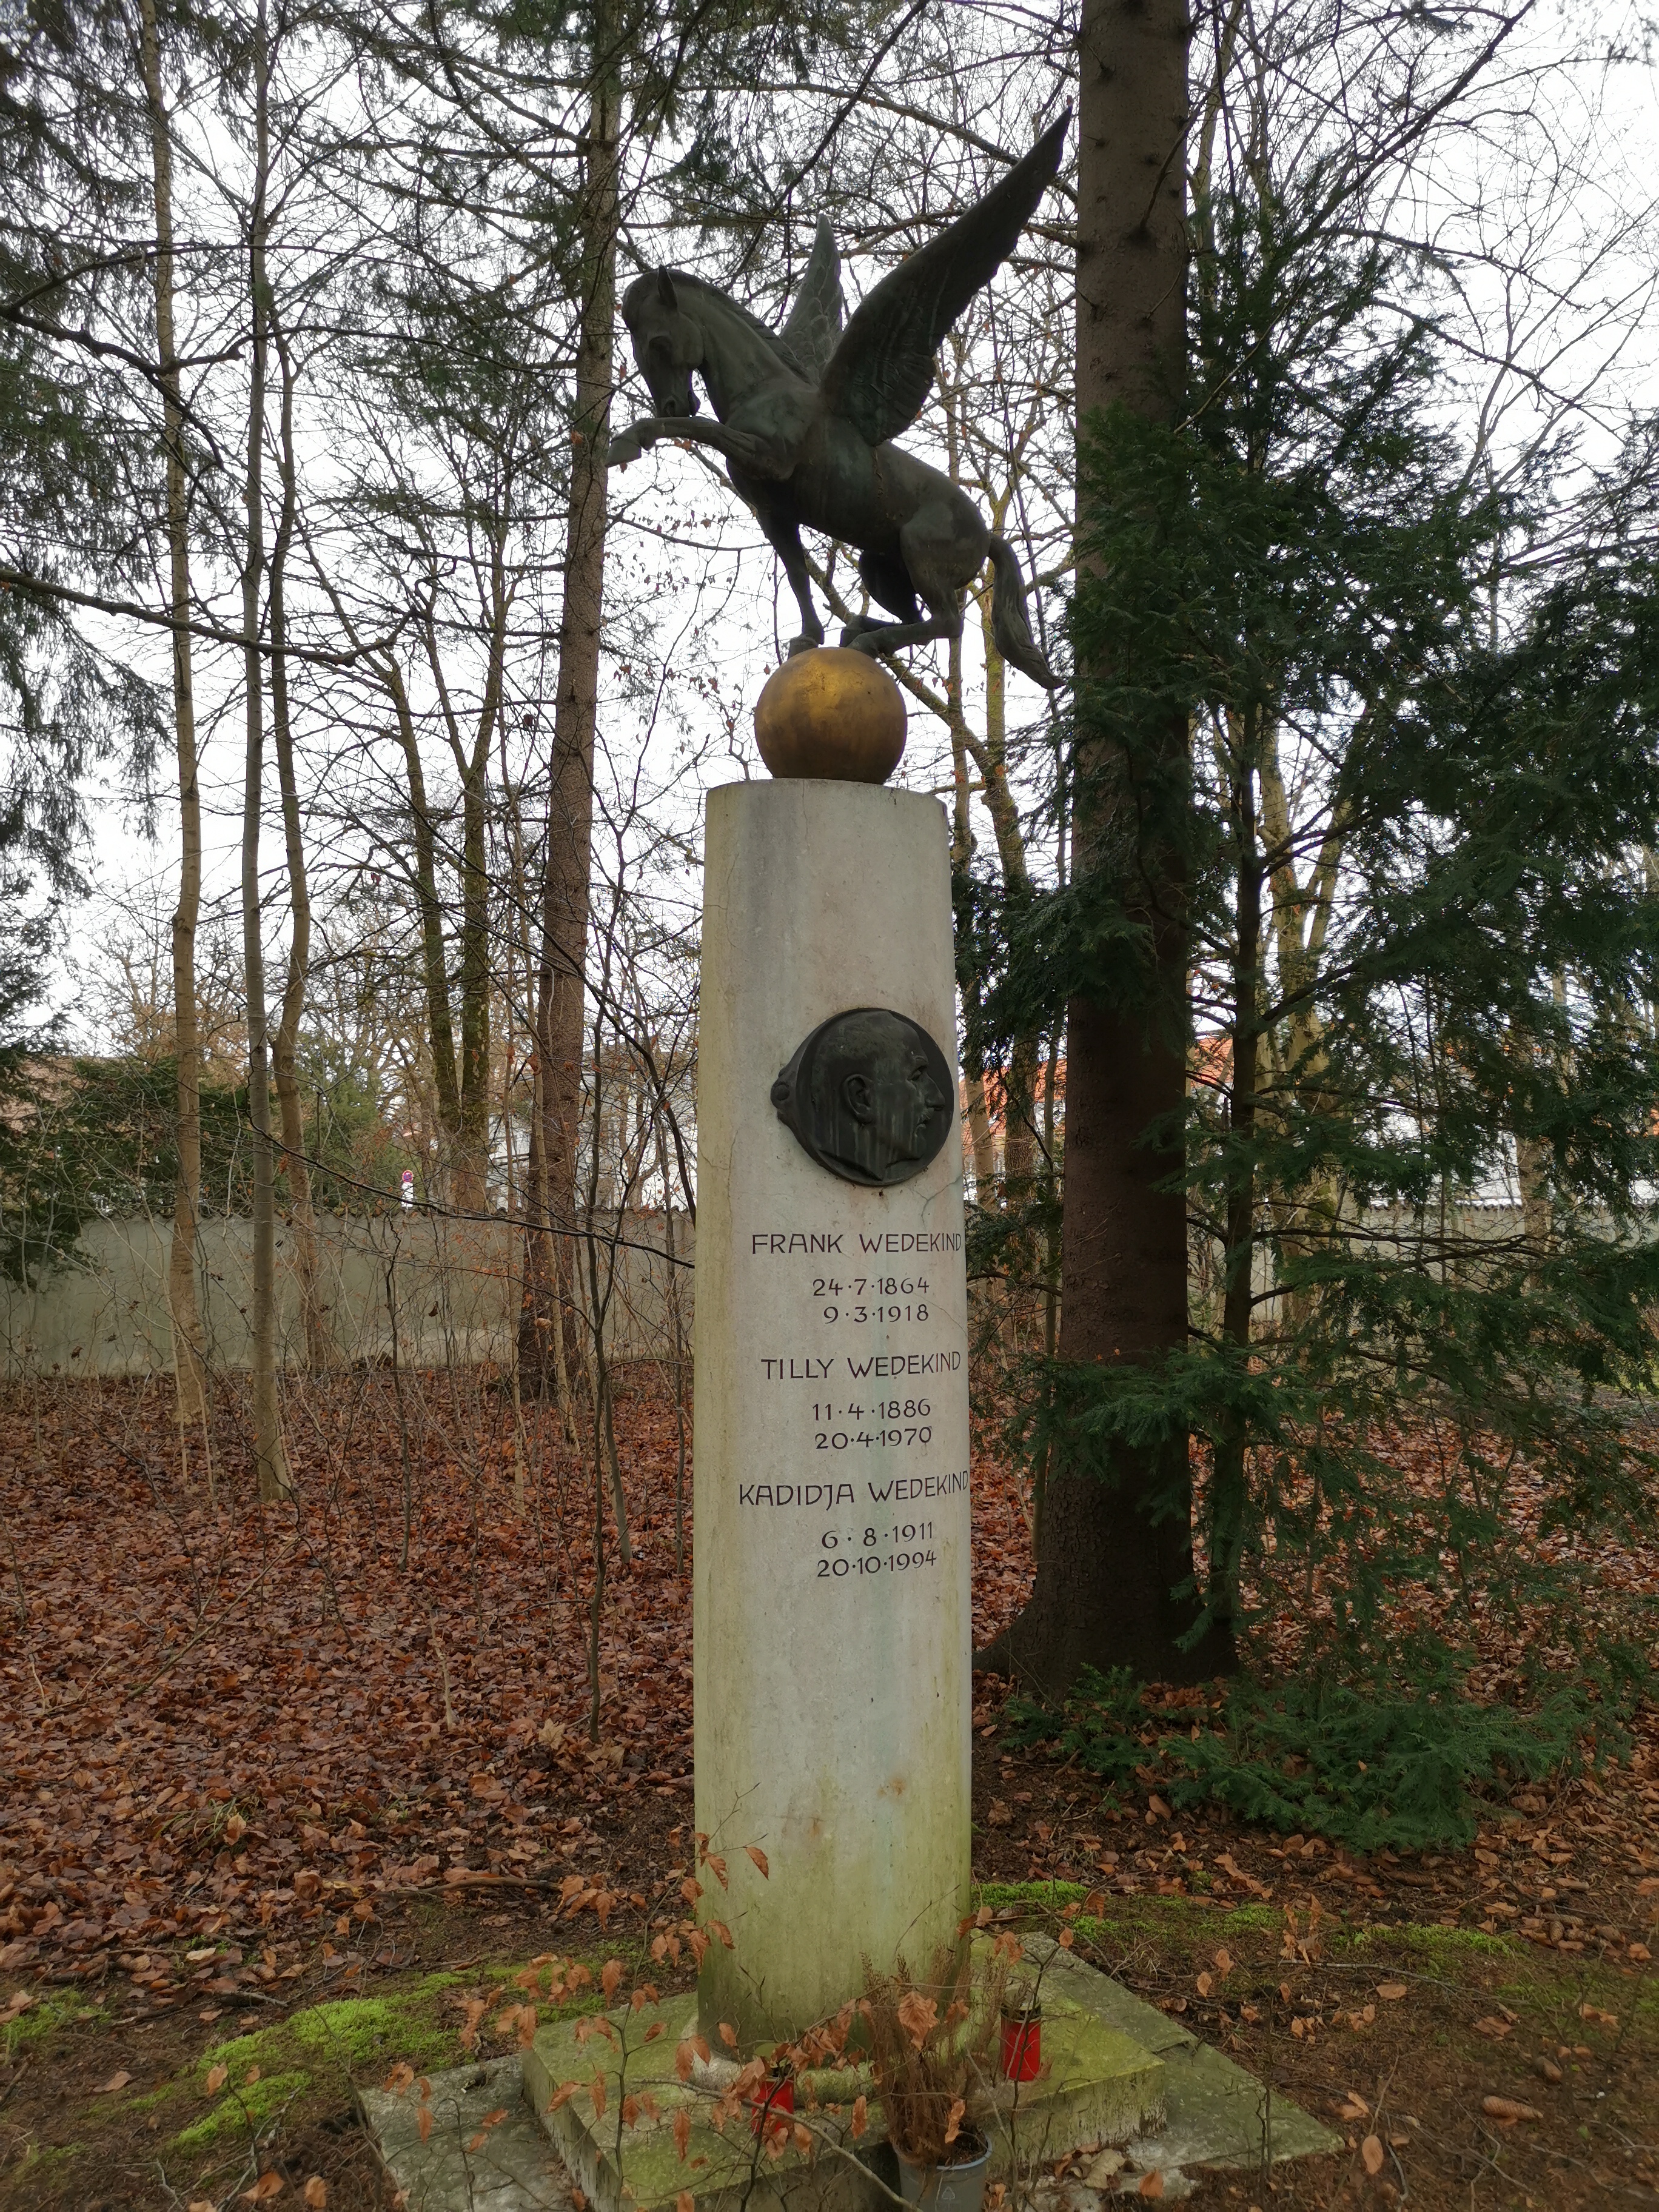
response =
{"points": [[568, 860], [271, 1458], [190, 1351]]}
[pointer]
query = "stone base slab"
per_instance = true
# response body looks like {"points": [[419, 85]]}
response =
{"points": [[1215, 2113], [1113, 2065], [616, 2131], [468, 2159]]}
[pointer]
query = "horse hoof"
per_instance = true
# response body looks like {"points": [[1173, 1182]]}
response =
{"points": [[798, 645]]}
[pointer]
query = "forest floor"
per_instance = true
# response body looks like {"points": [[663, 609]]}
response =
{"points": [[289, 1795]]}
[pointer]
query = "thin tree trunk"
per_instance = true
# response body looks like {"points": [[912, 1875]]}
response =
{"points": [[1231, 1499], [1532, 1164], [189, 1347], [313, 1319], [1112, 1553], [559, 1010], [676, 1320], [434, 967], [962, 853], [542, 1350], [271, 1460], [605, 1434], [1019, 1085], [467, 1124]]}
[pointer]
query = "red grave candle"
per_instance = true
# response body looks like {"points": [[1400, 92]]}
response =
{"points": [[1022, 2041], [774, 2097]]}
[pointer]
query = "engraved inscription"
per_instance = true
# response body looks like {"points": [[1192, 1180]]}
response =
{"points": [[884, 1417]]}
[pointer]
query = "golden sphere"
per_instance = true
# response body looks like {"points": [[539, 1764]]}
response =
{"points": [[830, 713]]}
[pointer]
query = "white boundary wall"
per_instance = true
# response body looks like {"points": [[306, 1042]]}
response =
{"points": [[453, 1287]]}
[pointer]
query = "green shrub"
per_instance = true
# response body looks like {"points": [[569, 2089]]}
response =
{"points": [[1366, 1765]]}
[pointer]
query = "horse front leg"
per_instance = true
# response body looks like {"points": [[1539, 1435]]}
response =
{"points": [[756, 456]]}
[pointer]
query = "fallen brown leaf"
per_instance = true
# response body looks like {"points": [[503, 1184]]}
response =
{"points": [[1507, 2108]]}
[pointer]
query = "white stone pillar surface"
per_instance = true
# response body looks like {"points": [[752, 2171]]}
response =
{"points": [[832, 1651]]}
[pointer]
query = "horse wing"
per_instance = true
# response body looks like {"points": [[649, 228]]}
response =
{"points": [[883, 369], [815, 320]]}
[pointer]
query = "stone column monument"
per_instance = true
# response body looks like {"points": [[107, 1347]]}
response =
{"points": [[832, 1663], [832, 1554], [832, 1659]]}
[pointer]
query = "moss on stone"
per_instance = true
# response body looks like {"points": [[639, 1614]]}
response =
{"points": [[45, 2019], [1136, 1911], [1419, 1937], [41, 2158], [354, 2030], [1034, 1896], [242, 2051], [244, 2109], [177, 2087]]}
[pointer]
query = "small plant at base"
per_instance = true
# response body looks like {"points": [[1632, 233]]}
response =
{"points": [[931, 2044]]}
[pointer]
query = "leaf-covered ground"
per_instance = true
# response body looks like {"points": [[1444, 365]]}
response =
{"points": [[261, 1767]]}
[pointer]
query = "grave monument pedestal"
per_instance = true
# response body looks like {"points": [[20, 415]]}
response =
{"points": [[832, 1639], [831, 1628]]}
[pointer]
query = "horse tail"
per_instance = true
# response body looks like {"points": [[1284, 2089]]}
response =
{"points": [[1010, 626]]}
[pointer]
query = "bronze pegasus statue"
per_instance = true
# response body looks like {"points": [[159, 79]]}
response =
{"points": [[805, 418]]}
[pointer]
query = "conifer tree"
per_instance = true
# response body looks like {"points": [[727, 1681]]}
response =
{"points": [[72, 242], [1405, 844]]}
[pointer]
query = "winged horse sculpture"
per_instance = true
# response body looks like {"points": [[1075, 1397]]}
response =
{"points": [[806, 416]]}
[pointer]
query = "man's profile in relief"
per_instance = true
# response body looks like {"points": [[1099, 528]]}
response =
{"points": [[868, 1095]]}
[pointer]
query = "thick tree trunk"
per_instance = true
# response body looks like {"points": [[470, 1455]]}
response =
{"points": [[189, 1348], [550, 1255], [1114, 1553], [312, 1313], [271, 1460]]}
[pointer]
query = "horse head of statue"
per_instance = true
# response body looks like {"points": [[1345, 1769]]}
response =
{"points": [[667, 342]]}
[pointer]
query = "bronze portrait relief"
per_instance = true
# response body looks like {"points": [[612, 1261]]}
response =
{"points": [[868, 1095]]}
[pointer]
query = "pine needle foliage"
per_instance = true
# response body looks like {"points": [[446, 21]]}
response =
{"points": [[1412, 839], [1372, 1765]]}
